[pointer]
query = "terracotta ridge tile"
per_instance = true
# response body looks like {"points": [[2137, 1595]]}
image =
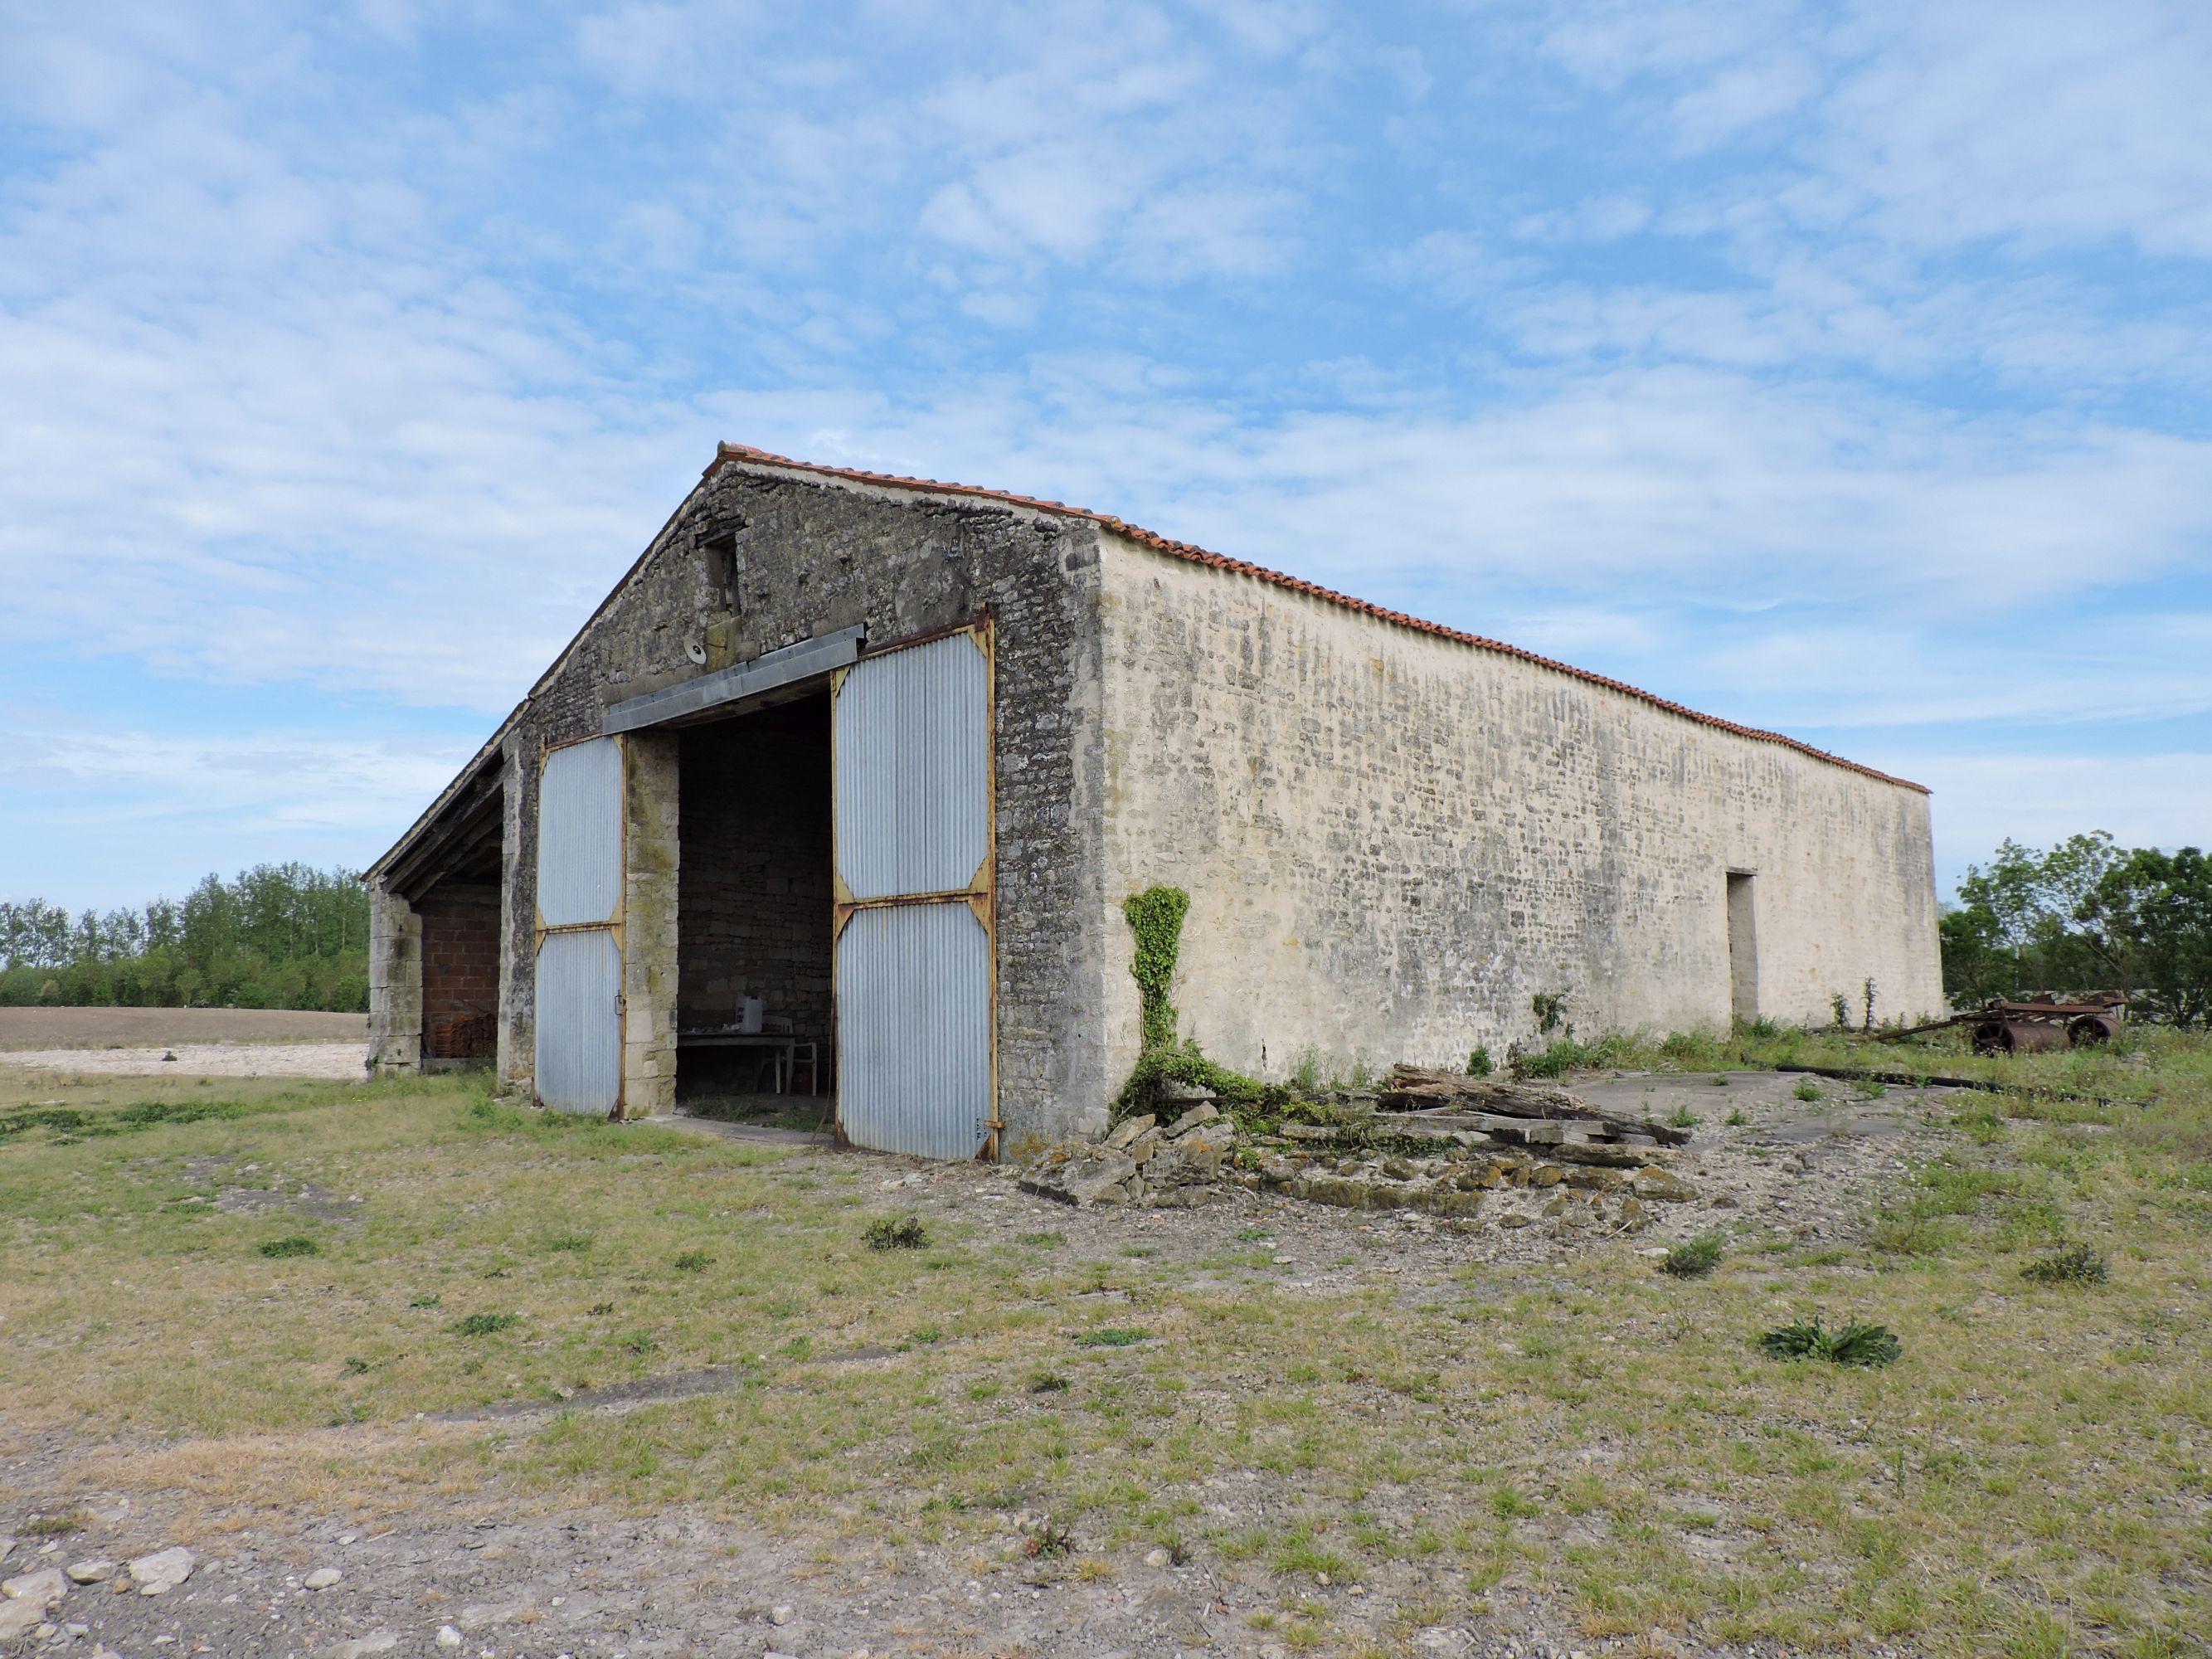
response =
{"points": [[747, 455]]}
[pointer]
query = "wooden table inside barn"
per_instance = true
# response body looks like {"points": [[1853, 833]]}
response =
{"points": [[781, 1048]]}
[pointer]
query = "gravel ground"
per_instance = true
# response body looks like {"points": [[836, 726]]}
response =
{"points": [[490, 1578], [325, 1059]]}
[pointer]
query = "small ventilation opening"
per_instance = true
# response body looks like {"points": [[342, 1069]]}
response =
{"points": [[1743, 948]]}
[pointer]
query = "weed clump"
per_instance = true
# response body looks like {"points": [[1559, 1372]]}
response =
{"points": [[693, 1262], [1695, 1258], [57, 1526], [1478, 1063], [1841, 1345], [1808, 1089], [2076, 1264], [298, 1244], [1112, 1336], [485, 1324], [1049, 1538], [906, 1233], [1562, 1057]]}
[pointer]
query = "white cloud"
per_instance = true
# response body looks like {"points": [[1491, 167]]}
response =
{"points": [[315, 383], [2047, 124], [2144, 800]]}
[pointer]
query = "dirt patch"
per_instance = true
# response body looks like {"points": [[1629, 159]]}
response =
{"points": [[325, 1059], [121, 1028]]}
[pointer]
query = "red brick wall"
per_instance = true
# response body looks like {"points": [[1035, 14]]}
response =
{"points": [[460, 970]]}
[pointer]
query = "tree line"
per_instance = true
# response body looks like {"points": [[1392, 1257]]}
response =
{"points": [[2086, 916], [280, 936]]}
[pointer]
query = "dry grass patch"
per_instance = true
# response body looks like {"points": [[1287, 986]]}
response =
{"points": [[2032, 1471]]}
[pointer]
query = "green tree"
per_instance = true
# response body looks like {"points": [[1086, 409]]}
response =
{"points": [[2016, 931], [281, 935], [2149, 916]]}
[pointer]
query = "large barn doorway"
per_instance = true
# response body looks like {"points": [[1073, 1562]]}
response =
{"points": [[835, 955], [755, 1014]]}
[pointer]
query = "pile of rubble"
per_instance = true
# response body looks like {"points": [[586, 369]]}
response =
{"points": [[1428, 1141], [1172, 1166]]}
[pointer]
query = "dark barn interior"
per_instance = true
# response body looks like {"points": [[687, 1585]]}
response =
{"points": [[755, 901]]}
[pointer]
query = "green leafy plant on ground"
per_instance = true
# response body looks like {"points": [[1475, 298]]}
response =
{"points": [[484, 1324], [1841, 1345], [904, 1233], [1695, 1258], [1558, 1060], [298, 1244], [1478, 1061], [1112, 1336], [2076, 1264]]}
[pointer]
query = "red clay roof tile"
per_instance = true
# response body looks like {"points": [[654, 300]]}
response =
{"points": [[748, 456]]}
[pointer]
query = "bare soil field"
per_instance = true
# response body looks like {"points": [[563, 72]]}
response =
{"points": [[199, 1059], [410, 1370], [145, 1028]]}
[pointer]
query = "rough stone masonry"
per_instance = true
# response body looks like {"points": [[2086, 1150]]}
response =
{"points": [[1394, 835]]}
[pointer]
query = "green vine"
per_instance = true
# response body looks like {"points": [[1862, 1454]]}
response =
{"points": [[1155, 915]]}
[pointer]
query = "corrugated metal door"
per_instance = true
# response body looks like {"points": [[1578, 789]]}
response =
{"points": [[911, 755], [580, 859]]}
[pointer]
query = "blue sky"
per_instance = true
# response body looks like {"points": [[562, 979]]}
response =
{"points": [[1842, 369]]}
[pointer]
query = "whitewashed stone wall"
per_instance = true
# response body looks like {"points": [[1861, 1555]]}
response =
{"points": [[1392, 841]]}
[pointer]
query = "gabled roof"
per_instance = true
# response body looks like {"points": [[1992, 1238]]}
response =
{"points": [[740, 453]]}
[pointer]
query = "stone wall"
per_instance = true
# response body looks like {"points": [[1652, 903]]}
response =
{"points": [[651, 861], [461, 934], [759, 557], [395, 983], [757, 894], [1393, 841]]}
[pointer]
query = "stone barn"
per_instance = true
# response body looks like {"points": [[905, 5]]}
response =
{"points": [[849, 777]]}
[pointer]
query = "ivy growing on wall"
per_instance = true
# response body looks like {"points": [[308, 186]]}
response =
{"points": [[1155, 915]]}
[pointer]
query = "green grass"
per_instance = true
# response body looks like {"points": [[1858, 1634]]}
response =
{"points": [[2035, 1463]]}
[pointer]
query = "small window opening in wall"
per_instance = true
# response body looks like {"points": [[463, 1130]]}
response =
{"points": [[1743, 948]]}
